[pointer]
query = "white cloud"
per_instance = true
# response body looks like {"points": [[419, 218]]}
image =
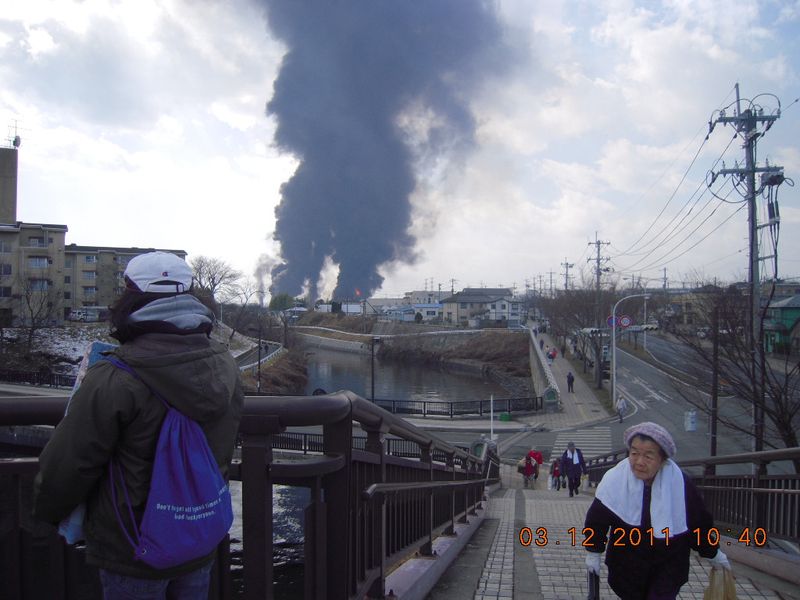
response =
{"points": [[157, 109]]}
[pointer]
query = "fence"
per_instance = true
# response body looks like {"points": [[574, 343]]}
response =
{"points": [[440, 408], [37, 378], [370, 508]]}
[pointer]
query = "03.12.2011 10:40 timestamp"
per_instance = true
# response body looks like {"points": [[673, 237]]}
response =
{"points": [[636, 536]]}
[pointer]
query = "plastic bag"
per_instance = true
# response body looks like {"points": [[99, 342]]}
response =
{"points": [[71, 528], [721, 586]]}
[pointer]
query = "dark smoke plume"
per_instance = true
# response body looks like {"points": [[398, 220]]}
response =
{"points": [[352, 67]]}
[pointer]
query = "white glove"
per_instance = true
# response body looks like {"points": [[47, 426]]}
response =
{"points": [[593, 562], [720, 561]]}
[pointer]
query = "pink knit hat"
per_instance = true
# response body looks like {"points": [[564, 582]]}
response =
{"points": [[654, 431]]}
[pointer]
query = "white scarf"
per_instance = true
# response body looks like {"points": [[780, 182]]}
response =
{"points": [[575, 457], [621, 492]]}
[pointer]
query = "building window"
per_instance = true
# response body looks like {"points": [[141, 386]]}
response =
{"points": [[90, 260], [463, 305], [502, 307], [89, 290], [37, 262], [36, 242], [67, 279], [67, 295], [494, 306], [39, 285], [5, 292], [5, 247], [68, 263], [90, 275], [5, 269]]}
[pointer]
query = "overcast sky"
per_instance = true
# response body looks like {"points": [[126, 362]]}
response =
{"points": [[144, 123]]}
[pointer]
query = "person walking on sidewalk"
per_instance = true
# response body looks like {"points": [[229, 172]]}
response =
{"points": [[573, 466], [528, 470], [570, 382], [622, 407], [555, 475], [647, 493], [537, 459]]}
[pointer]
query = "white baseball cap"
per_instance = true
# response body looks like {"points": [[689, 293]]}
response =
{"points": [[158, 272]]}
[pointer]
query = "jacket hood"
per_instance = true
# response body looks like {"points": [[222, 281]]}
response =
{"points": [[192, 372]]}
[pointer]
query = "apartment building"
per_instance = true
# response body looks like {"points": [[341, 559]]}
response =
{"points": [[93, 276], [43, 280]]}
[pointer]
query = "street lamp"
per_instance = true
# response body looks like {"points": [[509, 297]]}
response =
{"points": [[375, 340], [614, 344]]}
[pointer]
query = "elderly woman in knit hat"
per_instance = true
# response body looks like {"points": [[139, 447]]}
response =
{"points": [[654, 516]]}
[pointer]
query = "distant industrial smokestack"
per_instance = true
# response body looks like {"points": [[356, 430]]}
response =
{"points": [[352, 72]]}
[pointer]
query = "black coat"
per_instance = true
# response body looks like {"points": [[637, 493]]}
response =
{"points": [[569, 468], [634, 568]]}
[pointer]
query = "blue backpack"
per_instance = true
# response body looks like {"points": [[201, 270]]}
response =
{"points": [[188, 510]]}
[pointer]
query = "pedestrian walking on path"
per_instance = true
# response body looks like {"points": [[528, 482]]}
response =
{"points": [[573, 466], [570, 382], [527, 468], [622, 407], [647, 497], [555, 475]]}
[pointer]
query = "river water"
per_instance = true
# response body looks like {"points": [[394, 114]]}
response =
{"points": [[334, 371]]}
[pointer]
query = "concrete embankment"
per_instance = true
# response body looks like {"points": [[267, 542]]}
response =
{"points": [[306, 340]]}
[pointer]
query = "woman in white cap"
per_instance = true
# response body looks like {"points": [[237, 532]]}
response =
{"points": [[164, 334], [654, 515]]}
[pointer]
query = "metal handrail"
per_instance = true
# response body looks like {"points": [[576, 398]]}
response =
{"points": [[373, 533]]}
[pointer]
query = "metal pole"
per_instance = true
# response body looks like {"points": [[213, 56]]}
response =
{"points": [[258, 369], [714, 387], [614, 345], [491, 417], [614, 355], [372, 377], [645, 323]]}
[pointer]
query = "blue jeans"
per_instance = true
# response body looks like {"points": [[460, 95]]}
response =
{"points": [[192, 586]]}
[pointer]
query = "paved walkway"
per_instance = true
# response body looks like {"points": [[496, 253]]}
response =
{"points": [[556, 570]]}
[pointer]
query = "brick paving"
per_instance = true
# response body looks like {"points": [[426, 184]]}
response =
{"points": [[497, 579]]}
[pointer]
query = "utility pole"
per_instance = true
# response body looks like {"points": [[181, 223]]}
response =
{"points": [[598, 368], [567, 266], [746, 123], [551, 273]]}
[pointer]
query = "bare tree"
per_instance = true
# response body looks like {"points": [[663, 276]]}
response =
{"points": [[243, 294], [5, 299], [40, 303], [765, 385], [215, 279]]}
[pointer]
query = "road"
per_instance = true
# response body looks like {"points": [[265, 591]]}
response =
{"points": [[654, 395]]}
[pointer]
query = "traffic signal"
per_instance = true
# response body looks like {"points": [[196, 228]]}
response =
{"points": [[605, 369]]}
